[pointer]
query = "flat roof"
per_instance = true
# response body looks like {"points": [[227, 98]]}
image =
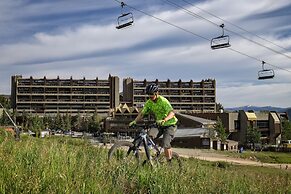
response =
{"points": [[191, 132], [197, 119]]}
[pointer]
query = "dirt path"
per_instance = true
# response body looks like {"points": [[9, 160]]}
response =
{"points": [[211, 156]]}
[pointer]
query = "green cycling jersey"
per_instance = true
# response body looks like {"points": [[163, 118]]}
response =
{"points": [[160, 108]]}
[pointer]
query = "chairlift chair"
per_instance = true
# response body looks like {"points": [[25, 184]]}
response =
{"points": [[265, 73], [125, 19], [220, 41]]}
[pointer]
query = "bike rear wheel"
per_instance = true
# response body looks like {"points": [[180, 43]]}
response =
{"points": [[123, 153]]}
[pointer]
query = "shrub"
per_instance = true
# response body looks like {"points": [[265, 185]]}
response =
{"points": [[222, 164]]}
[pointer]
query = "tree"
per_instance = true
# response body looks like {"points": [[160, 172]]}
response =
{"points": [[219, 107], [286, 129], [85, 124], [36, 125], [5, 102], [25, 118], [58, 122], [77, 122], [67, 122], [211, 133], [48, 122], [219, 128], [5, 119], [94, 123], [253, 136]]}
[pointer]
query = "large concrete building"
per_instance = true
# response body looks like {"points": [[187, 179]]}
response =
{"points": [[50, 96], [44, 95], [194, 96]]}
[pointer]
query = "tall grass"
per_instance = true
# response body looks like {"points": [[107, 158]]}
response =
{"points": [[64, 165]]}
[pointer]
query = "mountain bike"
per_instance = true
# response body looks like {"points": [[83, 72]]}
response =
{"points": [[141, 151]]}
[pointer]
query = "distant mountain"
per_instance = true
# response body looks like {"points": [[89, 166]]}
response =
{"points": [[258, 108]]}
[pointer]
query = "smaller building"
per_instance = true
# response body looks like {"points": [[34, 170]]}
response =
{"points": [[192, 138], [237, 124]]}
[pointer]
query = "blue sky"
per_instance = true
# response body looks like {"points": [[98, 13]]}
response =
{"points": [[78, 38]]}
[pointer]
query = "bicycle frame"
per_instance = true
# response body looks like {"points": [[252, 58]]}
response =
{"points": [[145, 139], [154, 156]]}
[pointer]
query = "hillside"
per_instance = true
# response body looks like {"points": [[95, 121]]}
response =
{"points": [[64, 165]]}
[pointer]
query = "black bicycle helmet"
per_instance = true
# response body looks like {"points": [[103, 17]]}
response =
{"points": [[151, 89]]}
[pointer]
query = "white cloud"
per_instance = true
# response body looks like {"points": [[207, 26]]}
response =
{"points": [[262, 95], [152, 49]]}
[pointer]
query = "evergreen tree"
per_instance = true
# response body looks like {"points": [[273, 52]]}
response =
{"points": [[94, 123], [58, 121], [219, 128], [67, 122], [77, 122], [48, 122], [211, 133], [5, 102], [253, 136], [85, 124], [286, 130], [36, 125], [5, 119], [25, 121], [219, 107], [63, 124]]}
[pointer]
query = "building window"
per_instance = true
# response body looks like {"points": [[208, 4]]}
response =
{"points": [[262, 124], [236, 125], [252, 124]]}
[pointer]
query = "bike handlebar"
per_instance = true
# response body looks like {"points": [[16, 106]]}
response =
{"points": [[144, 126]]}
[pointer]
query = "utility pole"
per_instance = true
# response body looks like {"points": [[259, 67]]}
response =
{"points": [[17, 132]]}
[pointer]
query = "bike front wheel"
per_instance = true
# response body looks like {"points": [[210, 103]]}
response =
{"points": [[123, 153]]}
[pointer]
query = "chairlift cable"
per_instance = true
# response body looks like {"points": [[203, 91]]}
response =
{"points": [[188, 31], [244, 37], [226, 21], [190, 12], [259, 60]]}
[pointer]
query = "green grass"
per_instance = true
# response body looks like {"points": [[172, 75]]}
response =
{"points": [[65, 165], [5, 136], [266, 157]]}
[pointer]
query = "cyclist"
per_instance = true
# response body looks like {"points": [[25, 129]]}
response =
{"points": [[164, 115]]}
